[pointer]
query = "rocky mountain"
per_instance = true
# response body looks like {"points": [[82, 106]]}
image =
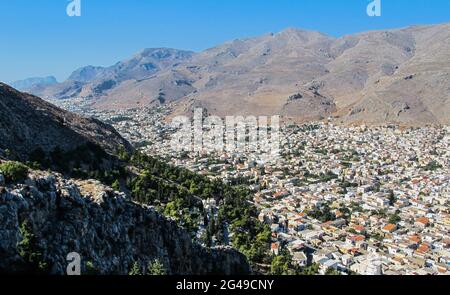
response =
{"points": [[392, 76], [96, 82], [46, 217], [28, 123], [34, 82]]}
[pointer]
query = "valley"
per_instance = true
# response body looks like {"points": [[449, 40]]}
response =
{"points": [[356, 199]]}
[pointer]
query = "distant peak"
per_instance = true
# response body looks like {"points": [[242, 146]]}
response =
{"points": [[149, 51], [292, 30], [34, 81], [302, 33]]}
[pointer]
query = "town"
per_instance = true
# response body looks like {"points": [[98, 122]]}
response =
{"points": [[352, 199]]}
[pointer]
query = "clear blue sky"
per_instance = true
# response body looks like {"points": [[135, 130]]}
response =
{"points": [[38, 38]]}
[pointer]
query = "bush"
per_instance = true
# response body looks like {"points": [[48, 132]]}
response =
{"points": [[281, 265], [116, 185], [30, 252], [135, 270], [91, 270], [332, 272], [156, 268], [433, 166], [14, 171]]}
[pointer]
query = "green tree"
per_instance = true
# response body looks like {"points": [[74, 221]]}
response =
{"points": [[175, 190], [433, 166], [394, 219], [392, 198], [29, 250], [280, 265], [311, 270], [135, 269], [116, 185], [156, 268], [14, 171], [332, 272], [123, 154]]}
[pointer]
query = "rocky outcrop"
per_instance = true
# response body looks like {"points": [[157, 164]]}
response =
{"points": [[109, 231], [28, 123]]}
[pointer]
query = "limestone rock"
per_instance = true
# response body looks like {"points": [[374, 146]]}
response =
{"points": [[108, 231]]}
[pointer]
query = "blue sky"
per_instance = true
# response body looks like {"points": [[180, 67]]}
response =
{"points": [[39, 39]]}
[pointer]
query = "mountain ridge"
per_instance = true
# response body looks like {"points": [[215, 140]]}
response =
{"points": [[22, 117], [382, 76]]}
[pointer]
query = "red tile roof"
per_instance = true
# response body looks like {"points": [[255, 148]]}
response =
{"points": [[359, 228], [423, 248], [390, 227], [415, 239], [423, 220]]}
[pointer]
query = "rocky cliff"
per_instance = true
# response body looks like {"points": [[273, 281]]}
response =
{"points": [[110, 232], [28, 122]]}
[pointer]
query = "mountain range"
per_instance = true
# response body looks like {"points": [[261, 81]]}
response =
{"points": [[34, 82], [397, 76]]}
